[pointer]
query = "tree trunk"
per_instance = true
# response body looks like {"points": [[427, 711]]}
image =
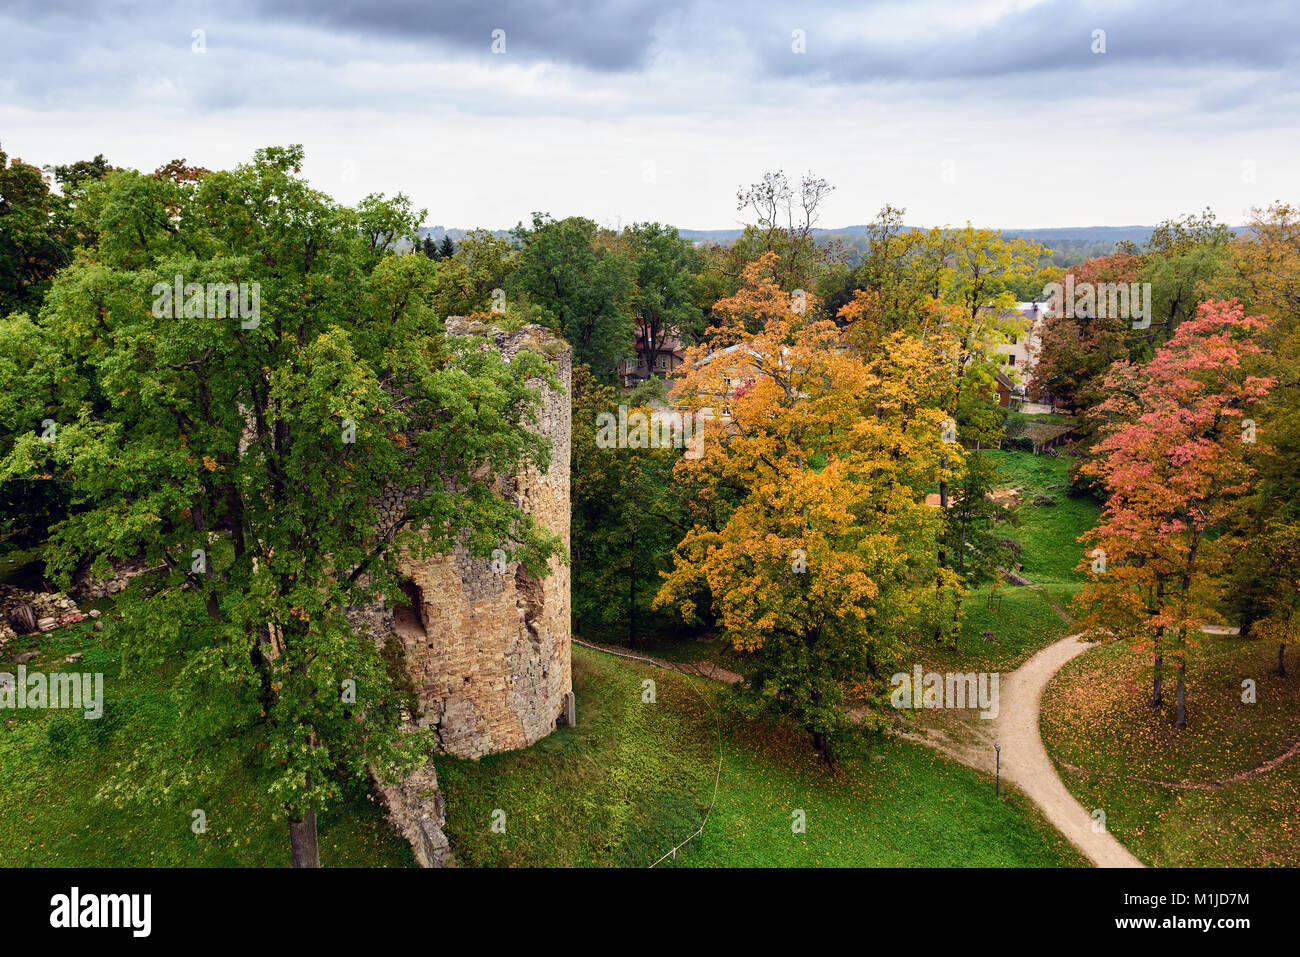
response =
{"points": [[1157, 699], [820, 743], [822, 747], [1281, 663], [631, 605], [943, 506], [1180, 719], [302, 837]]}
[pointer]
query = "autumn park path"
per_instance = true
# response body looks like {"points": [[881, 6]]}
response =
{"points": [[1024, 758]]}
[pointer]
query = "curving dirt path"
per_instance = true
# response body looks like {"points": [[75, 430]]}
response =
{"points": [[1024, 758]]}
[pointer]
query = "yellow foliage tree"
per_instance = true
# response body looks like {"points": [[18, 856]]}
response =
{"points": [[830, 553]]}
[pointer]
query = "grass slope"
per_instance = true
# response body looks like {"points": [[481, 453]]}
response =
{"points": [[620, 788], [1023, 619], [634, 779], [1048, 534], [906, 806], [53, 762], [1097, 718]]}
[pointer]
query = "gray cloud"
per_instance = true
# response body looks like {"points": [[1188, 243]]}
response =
{"points": [[600, 35], [888, 95], [1053, 38], [1040, 51]]}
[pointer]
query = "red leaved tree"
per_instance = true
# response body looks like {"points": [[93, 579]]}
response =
{"points": [[1174, 460], [1075, 350]]}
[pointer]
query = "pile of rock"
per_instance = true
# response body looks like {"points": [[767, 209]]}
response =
{"points": [[1010, 497], [88, 588], [27, 612]]}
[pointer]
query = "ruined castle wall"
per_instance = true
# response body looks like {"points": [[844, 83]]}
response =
{"points": [[492, 665]]}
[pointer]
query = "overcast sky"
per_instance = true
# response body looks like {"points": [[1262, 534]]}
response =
{"points": [[993, 111]]}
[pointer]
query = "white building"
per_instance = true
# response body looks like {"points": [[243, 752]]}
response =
{"points": [[1021, 352]]}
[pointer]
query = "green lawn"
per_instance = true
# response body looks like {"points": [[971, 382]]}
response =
{"points": [[1022, 620], [1048, 534], [1096, 717], [905, 806], [620, 788], [634, 779], [53, 762]]}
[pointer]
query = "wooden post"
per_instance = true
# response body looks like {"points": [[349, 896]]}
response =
{"points": [[571, 708]]}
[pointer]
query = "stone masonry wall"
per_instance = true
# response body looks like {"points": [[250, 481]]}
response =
{"points": [[488, 649], [492, 667]]}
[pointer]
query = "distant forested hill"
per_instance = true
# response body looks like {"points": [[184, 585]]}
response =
{"points": [[1069, 245]]}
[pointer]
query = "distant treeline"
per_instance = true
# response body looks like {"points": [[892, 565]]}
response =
{"points": [[1068, 245]]}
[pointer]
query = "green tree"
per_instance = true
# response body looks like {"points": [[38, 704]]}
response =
{"points": [[74, 175], [1262, 269], [32, 248], [580, 289], [902, 269], [982, 267], [38, 232], [972, 533], [627, 517], [971, 273], [474, 277], [1180, 256], [666, 270], [244, 457]]}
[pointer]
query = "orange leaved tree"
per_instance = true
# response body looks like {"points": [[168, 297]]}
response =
{"points": [[830, 551]]}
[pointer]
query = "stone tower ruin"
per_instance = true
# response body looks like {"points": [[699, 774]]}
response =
{"points": [[487, 644]]}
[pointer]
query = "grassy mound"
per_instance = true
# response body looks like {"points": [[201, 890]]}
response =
{"points": [[634, 779], [1111, 746], [1048, 534]]}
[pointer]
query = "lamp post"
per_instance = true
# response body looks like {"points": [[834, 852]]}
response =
{"points": [[997, 768]]}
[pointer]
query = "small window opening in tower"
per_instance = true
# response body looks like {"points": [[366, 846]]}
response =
{"points": [[408, 619]]}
